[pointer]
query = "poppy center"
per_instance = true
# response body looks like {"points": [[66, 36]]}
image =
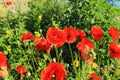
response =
{"points": [[53, 77], [68, 36], [56, 36]]}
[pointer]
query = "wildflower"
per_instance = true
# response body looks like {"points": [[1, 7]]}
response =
{"points": [[93, 76], [21, 69], [17, 64], [114, 50], [56, 36], [37, 34], [8, 48], [114, 33], [9, 3], [96, 32], [39, 17], [94, 66], [89, 59], [80, 33], [84, 47], [89, 44], [2, 59], [41, 40], [76, 63], [2, 10], [27, 36], [71, 35], [53, 70], [42, 44], [96, 78], [91, 71], [28, 74], [8, 33]]}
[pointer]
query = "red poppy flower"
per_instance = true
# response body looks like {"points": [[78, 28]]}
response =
{"points": [[71, 35], [96, 78], [93, 76], [8, 3], [2, 59], [96, 32], [80, 33], [114, 33], [114, 50], [88, 43], [56, 36], [83, 46], [54, 69], [21, 69], [89, 58], [41, 40], [42, 44], [27, 36]]}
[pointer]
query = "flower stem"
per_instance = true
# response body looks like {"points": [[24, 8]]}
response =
{"points": [[50, 59], [56, 50], [70, 51]]}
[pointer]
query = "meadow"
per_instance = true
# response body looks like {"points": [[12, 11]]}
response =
{"points": [[59, 40]]}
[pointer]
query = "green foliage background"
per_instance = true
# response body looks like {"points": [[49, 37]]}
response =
{"points": [[81, 14]]}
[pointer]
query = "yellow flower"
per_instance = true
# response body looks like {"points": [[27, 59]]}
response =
{"points": [[39, 17], [8, 33], [8, 48], [37, 34], [91, 71], [17, 64], [28, 74], [2, 10], [76, 63], [94, 65]]}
